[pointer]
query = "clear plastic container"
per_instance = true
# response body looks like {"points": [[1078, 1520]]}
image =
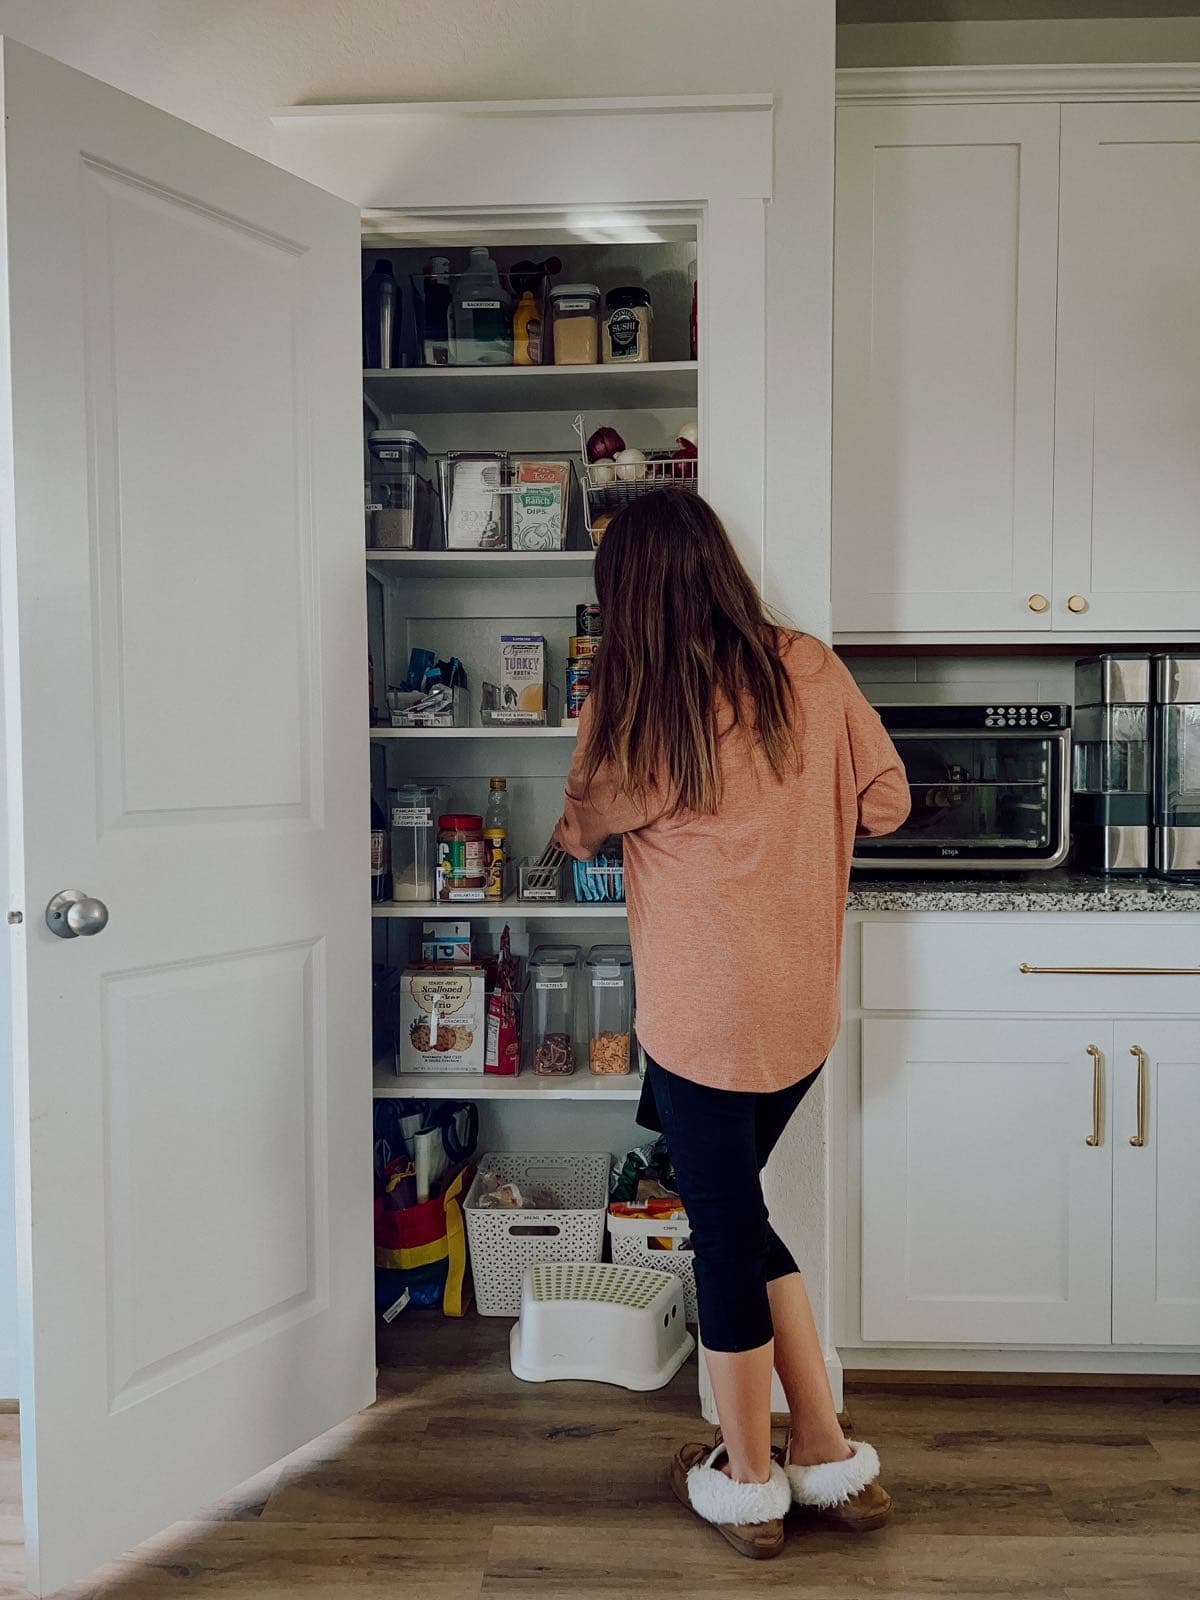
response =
{"points": [[413, 818], [576, 311], [481, 332], [398, 511], [610, 1008], [553, 970]]}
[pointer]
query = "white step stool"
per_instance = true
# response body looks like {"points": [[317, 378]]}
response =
{"points": [[600, 1321]]}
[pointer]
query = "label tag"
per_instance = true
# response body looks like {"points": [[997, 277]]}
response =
{"points": [[481, 305], [396, 1307], [557, 983], [412, 817]]}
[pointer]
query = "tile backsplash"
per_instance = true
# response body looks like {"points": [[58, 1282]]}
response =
{"points": [[950, 679]]}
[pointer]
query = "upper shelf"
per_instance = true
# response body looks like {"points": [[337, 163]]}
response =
{"points": [[426, 391], [549, 730], [490, 564]]}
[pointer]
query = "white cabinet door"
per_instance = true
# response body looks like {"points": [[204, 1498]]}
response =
{"points": [[945, 250], [987, 1216], [1127, 433], [1156, 1249], [184, 641]]}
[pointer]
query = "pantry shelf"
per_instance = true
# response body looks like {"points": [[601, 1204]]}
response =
{"points": [[429, 391], [495, 910], [490, 1086], [569, 731], [424, 565]]}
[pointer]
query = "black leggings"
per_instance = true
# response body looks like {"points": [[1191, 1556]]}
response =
{"points": [[719, 1141]]}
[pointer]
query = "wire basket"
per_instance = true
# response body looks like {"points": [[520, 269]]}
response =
{"points": [[608, 486], [631, 1238]]}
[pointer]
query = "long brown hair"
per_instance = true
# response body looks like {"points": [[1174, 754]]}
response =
{"points": [[684, 632]]}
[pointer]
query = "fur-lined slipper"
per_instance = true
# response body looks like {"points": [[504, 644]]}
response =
{"points": [[843, 1494], [749, 1515]]}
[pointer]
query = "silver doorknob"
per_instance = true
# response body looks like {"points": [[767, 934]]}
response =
{"points": [[75, 915]]}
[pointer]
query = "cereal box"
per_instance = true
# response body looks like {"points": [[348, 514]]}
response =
{"points": [[523, 674], [443, 1019], [539, 504]]}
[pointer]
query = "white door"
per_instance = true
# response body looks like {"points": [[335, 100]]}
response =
{"points": [[944, 282], [1156, 1222], [1127, 435], [987, 1216], [184, 651]]}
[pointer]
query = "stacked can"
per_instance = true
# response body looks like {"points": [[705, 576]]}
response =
{"points": [[582, 647]]}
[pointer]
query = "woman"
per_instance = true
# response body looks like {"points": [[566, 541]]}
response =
{"points": [[739, 760]]}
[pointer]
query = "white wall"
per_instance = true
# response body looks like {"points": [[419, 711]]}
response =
{"points": [[224, 64]]}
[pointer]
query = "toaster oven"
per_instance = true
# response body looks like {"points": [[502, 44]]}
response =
{"points": [[990, 787]]}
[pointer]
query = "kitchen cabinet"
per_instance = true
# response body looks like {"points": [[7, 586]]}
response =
{"points": [[183, 563], [1017, 369], [1156, 1140], [1127, 407], [986, 1214], [944, 274]]}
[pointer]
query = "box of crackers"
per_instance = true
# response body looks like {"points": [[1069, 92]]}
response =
{"points": [[443, 1019]]}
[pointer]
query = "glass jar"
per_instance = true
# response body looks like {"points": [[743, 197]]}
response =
{"points": [[576, 311], [552, 974], [627, 320], [461, 868], [610, 1008], [414, 809]]}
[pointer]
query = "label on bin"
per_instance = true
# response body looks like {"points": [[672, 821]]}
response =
{"points": [[557, 983], [412, 817], [608, 983]]}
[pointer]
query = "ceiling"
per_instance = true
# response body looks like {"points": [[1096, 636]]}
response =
{"points": [[1007, 10]]}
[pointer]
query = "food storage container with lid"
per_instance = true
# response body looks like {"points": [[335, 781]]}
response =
{"points": [[552, 976], [610, 1007], [413, 818], [576, 311], [398, 513], [627, 322]]}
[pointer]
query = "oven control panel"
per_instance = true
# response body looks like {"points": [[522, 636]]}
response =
{"points": [[1043, 717]]}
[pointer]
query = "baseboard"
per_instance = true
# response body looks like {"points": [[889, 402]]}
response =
{"points": [[779, 1406], [976, 1364]]}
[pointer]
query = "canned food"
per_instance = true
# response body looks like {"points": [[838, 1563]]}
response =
{"points": [[589, 621], [576, 698], [582, 645]]}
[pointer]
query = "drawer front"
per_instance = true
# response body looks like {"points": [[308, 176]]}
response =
{"points": [[1002, 963]]}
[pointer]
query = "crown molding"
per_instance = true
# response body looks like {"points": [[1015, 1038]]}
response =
{"points": [[886, 85]]}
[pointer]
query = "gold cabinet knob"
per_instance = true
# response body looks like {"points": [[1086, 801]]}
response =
{"points": [[1076, 603], [1038, 602]]}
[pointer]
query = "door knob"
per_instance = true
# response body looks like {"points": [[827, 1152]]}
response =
{"points": [[1038, 602], [75, 915], [1076, 603]]}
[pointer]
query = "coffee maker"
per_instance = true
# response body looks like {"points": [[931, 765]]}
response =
{"points": [[1111, 804], [1177, 766]]}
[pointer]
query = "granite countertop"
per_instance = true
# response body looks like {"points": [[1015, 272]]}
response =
{"points": [[1057, 890]]}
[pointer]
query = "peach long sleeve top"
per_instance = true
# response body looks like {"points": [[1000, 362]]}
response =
{"points": [[736, 919]]}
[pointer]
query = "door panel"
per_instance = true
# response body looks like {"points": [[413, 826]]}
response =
{"points": [[184, 639], [944, 366], [1156, 1260], [986, 1216], [1127, 452]]}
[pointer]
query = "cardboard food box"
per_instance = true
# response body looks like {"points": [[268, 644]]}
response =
{"points": [[523, 675], [539, 504], [443, 1019]]}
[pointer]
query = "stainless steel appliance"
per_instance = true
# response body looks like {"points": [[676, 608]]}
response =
{"points": [[991, 789], [1177, 766], [1111, 809]]}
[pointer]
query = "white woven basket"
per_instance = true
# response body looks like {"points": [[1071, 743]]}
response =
{"points": [[631, 1238], [504, 1243]]}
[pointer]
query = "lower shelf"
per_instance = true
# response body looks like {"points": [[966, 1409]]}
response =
{"points": [[490, 1086], [498, 910]]}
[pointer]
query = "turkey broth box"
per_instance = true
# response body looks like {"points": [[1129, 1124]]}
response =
{"points": [[523, 674]]}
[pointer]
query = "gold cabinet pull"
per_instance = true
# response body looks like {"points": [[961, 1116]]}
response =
{"points": [[1076, 603], [1038, 602], [1114, 972], [1138, 1139], [1093, 1139]]}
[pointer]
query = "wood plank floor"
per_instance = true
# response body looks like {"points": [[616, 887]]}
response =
{"points": [[464, 1484]]}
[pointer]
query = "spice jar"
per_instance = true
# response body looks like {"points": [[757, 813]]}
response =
{"points": [[627, 317], [576, 311], [461, 869], [610, 1007], [552, 969]]}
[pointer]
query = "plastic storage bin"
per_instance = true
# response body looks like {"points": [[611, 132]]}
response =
{"points": [[504, 1243], [609, 1324], [414, 811], [631, 1238], [399, 514]]}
